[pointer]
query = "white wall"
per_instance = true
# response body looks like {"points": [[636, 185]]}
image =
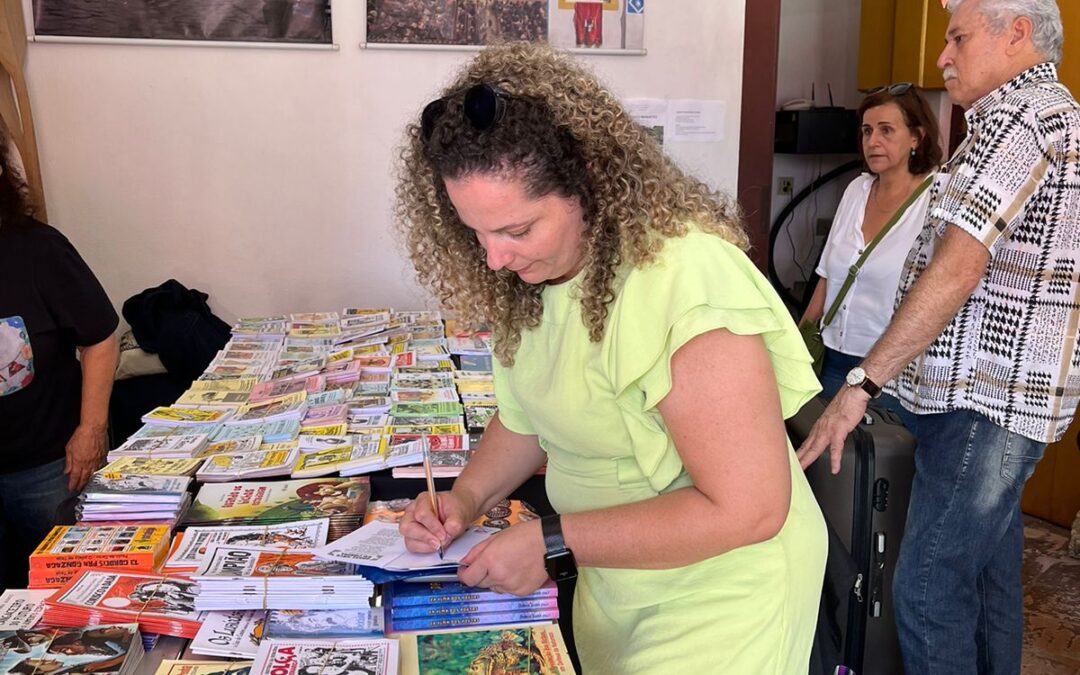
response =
{"points": [[263, 177], [819, 43]]}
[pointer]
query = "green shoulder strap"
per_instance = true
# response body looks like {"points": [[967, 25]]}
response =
{"points": [[853, 272]]}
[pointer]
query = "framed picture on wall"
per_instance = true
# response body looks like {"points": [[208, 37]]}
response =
{"points": [[281, 21], [611, 25]]}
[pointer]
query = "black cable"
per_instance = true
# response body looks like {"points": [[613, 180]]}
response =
{"points": [[774, 232]]}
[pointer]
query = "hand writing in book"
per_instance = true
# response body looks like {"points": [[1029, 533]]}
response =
{"points": [[421, 527], [511, 561]]}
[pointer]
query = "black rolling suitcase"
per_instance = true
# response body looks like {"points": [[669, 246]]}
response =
{"points": [[866, 504]]}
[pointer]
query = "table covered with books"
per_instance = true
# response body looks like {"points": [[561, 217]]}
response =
{"points": [[252, 524]]}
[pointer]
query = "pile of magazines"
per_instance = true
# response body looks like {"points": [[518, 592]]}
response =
{"points": [[234, 577], [134, 498], [102, 650], [158, 603]]}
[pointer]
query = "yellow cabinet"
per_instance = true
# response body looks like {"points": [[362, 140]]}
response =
{"points": [[900, 41]]}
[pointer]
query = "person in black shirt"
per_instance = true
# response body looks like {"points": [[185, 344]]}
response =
{"points": [[53, 404]]}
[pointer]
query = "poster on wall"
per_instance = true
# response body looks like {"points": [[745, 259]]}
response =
{"points": [[598, 24], [299, 21]]}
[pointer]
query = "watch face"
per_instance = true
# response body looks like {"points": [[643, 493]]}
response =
{"points": [[855, 376]]}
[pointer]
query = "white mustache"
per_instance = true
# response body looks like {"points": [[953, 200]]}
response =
{"points": [[949, 73]]}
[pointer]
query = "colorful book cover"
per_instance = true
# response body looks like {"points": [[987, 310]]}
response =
{"points": [[138, 595], [280, 500], [109, 486], [102, 650], [195, 542], [176, 416], [225, 563], [459, 609], [532, 650], [416, 594], [132, 547]]}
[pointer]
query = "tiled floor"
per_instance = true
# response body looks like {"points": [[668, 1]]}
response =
{"points": [[1051, 601]]}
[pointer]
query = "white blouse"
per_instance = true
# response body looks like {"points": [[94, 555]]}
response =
{"points": [[868, 305]]}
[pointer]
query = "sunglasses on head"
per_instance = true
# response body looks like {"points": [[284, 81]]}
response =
{"points": [[898, 89], [483, 106]]}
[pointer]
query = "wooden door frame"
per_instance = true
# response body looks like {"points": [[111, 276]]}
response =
{"points": [[761, 55]]}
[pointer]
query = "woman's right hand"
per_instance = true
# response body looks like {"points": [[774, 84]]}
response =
{"points": [[425, 531]]}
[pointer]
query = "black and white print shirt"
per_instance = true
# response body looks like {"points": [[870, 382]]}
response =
{"points": [[1011, 352]]}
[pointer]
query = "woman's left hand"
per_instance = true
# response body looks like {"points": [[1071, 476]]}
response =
{"points": [[511, 561]]}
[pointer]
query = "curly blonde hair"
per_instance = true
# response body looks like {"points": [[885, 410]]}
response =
{"points": [[562, 132]]}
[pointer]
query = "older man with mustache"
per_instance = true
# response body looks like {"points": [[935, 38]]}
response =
{"points": [[983, 346]]}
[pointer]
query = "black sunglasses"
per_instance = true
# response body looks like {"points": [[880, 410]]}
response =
{"points": [[484, 106], [898, 89]]}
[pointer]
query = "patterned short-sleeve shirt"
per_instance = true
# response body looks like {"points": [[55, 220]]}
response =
{"points": [[1011, 351]]}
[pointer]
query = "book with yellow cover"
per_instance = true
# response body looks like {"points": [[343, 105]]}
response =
{"points": [[152, 466], [67, 548]]}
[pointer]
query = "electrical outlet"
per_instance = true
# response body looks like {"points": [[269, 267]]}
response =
{"points": [[785, 185]]}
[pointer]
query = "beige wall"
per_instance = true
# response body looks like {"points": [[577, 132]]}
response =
{"points": [[263, 176]]}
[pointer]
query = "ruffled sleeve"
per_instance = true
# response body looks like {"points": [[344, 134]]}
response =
{"points": [[701, 283]]}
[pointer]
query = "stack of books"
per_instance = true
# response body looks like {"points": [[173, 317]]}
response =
{"points": [[412, 606], [67, 548], [233, 634], [100, 649], [190, 547], [158, 603], [232, 466], [342, 500], [194, 418], [181, 443], [134, 497], [371, 656], [233, 577]]}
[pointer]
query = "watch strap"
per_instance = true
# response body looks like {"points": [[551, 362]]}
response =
{"points": [[870, 387], [551, 526]]}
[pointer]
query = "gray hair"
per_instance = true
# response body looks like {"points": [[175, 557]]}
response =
{"points": [[1045, 16]]}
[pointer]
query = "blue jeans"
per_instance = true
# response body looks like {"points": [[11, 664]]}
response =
{"points": [[959, 601], [836, 366], [31, 503]]}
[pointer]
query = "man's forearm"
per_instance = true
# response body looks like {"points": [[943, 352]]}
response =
{"points": [[98, 370], [958, 265]]}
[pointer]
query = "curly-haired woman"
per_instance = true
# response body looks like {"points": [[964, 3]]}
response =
{"points": [[639, 353]]}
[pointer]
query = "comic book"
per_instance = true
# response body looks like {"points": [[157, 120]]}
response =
{"points": [[290, 406], [367, 656], [187, 444], [326, 430], [505, 513], [233, 445], [68, 547], [444, 463], [101, 650], [445, 395], [331, 397], [172, 416], [230, 633], [196, 541], [425, 409], [160, 603], [518, 650], [236, 384], [512, 616], [118, 487], [324, 623], [151, 466], [187, 667], [22, 608], [213, 397], [243, 465]]}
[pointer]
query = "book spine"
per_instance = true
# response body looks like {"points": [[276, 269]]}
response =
{"points": [[462, 596], [483, 619], [129, 561], [465, 609]]}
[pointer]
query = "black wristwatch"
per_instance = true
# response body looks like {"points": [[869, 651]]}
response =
{"points": [[558, 560]]}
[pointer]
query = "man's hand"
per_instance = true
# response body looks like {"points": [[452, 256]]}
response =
{"points": [[844, 413], [85, 450]]}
